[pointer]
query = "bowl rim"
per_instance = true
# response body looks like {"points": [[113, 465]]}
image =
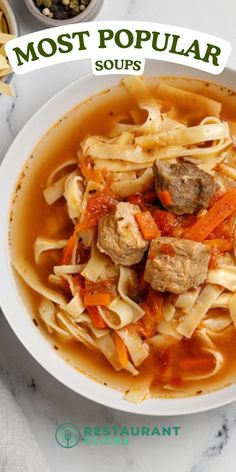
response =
{"points": [[11, 301], [88, 14]]}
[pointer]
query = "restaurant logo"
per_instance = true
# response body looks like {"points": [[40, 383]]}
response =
{"points": [[69, 435]]}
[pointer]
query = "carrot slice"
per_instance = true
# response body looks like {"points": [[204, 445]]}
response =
{"points": [[88, 171], [222, 244], [153, 308], [121, 350], [217, 213], [147, 225], [68, 250], [96, 318], [197, 363], [94, 299], [165, 197], [86, 224]]}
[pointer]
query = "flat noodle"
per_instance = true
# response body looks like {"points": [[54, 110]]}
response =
{"points": [[223, 301], [120, 166], [73, 194], [225, 276], [145, 100], [75, 308], [203, 303], [187, 299], [107, 347], [186, 136], [172, 152], [6, 89], [68, 269], [87, 235], [228, 171], [218, 323], [47, 313], [125, 188], [98, 333], [218, 365], [169, 311], [118, 314], [137, 395], [3, 62], [126, 276], [77, 331], [204, 335], [31, 278], [55, 191], [189, 101], [96, 264], [5, 37], [162, 341], [61, 169], [232, 309], [101, 148], [169, 328], [55, 280], [125, 138], [45, 244], [7, 70], [209, 164], [138, 350]]}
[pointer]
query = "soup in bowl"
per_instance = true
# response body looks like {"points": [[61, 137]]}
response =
{"points": [[122, 244]]}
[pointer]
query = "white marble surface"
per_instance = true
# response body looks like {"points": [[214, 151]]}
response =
{"points": [[206, 442]]}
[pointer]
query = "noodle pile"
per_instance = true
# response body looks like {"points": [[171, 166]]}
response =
{"points": [[119, 165]]}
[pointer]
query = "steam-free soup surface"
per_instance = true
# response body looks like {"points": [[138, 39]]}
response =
{"points": [[166, 367]]}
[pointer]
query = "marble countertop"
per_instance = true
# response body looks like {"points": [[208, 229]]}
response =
{"points": [[206, 441]]}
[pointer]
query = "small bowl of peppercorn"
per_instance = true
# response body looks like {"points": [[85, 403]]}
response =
{"points": [[59, 12]]}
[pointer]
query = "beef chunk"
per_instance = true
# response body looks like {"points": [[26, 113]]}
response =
{"points": [[190, 188], [176, 265], [119, 236]]}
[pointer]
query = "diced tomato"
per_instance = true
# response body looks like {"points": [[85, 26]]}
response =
{"points": [[153, 307], [187, 220], [221, 231], [144, 201], [137, 199], [166, 222], [150, 197], [102, 286], [100, 204], [78, 282], [87, 170], [147, 324]]}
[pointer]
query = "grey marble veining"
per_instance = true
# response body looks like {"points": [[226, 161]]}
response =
{"points": [[206, 442]]}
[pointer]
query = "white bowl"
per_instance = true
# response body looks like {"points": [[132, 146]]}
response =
{"points": [[88, 14], [10, 298]]}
